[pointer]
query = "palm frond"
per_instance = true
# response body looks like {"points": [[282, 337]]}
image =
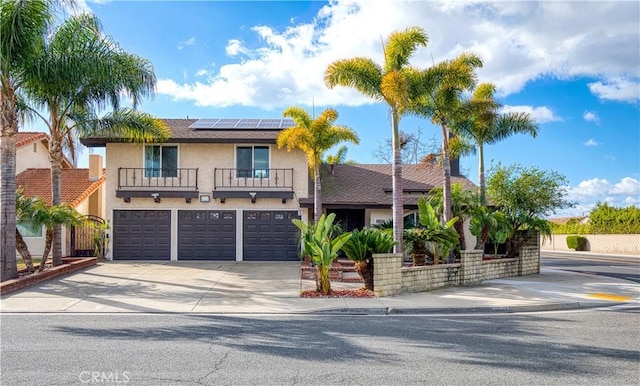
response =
{"points": [[362, 74], [401, 45]]}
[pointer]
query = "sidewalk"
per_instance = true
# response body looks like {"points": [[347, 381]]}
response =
{"points": [[274, 288]]}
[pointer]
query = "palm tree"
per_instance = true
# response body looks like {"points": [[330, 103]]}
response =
{"points": [[51, 217], [389, 83], [463, 203], [438, 97], [484, 124], [24, 208], [340, 157], [23, 24], [78, 71], [314, 137]]}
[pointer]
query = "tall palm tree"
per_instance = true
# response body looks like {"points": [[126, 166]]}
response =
{"points": [[79, 71], [438, 97], [314, 137], [389, 83], [23, 24], [484, 124]]}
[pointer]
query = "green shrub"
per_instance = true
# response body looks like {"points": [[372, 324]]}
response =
{"points": [[576, 242]]}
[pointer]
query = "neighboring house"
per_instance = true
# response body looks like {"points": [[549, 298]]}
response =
{"points": [[83, 189], [218, 189], [361, 195], [32, 151], [564, 220]]}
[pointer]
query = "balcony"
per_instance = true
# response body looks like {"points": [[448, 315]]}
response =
{"points": [[252, 183], [157, 183]]}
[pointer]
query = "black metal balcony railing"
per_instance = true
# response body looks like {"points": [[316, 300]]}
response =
{"points": [[179, 178], [280, 179]]}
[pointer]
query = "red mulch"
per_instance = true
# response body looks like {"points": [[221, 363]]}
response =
{"points": [[357, 293]]}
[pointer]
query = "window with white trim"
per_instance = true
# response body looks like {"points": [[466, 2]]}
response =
{"points": [[160, 161], [252, 161], [27, 229]]}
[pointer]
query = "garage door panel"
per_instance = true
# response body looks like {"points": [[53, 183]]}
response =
{"points": [[142, 234], [206, 235], [270, 236]]}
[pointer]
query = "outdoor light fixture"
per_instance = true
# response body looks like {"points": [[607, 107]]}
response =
{"points": [[156, 197], [253, 197], [205, 198]]}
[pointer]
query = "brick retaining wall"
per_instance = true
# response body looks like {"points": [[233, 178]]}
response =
{"points": [[390, 278]]}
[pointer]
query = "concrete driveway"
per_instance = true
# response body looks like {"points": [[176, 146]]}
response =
{"points": [[207, 287]]}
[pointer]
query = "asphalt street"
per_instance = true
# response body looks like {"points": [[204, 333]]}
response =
{"points": [[625, 268], [553, 348]]}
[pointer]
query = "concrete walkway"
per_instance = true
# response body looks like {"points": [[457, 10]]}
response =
{"points": [[274, 288]]}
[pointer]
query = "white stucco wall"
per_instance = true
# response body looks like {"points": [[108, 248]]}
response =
{"points": [[205, 157], [33, 155]]}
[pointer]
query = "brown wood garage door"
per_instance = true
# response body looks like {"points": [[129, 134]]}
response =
{"points": [[141, 235], [206, 235], [270, 236]]}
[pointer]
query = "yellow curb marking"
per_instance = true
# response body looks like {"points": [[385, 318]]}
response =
{"points": [[612, 297]]}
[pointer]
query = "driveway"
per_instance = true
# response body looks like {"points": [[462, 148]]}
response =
{"points": [[208, 287]]}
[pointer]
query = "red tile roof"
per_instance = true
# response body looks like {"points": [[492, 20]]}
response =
{"points": [[76, 185], [27, 137]]}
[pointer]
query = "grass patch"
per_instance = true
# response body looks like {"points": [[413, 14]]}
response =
{"points": [[21, 264]]}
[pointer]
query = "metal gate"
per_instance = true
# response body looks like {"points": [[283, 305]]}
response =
{"points": [[83, 242]]}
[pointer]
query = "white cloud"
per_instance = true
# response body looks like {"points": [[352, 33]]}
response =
{"points": [[518, 41], [587, 193], [540, 114], [590, 116], [189, 42], [591, 142], [627, 185], [202, 72], [617, 90]]}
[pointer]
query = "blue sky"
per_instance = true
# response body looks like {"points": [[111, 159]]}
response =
{"points": [[575, 66]]}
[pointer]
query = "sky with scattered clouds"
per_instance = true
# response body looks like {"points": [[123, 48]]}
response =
{"points": [[574, 66]]}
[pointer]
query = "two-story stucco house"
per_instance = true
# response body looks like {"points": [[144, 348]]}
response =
{"points": [[218, 189]]}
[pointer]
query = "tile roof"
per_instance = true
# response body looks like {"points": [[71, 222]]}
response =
{"points": [[181, 133], [564, 220], [371, 185], [76, 185], [27, 137]]}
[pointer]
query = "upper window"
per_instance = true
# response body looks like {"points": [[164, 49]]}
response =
{"points": [[253, 161], [27, 229], [160, 161]]}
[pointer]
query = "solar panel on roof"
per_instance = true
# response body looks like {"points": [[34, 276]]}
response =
{"points": [[203, 123], [241, 124]]}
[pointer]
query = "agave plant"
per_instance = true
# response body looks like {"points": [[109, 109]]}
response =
{"points": [[361, 247], [321, 247]]}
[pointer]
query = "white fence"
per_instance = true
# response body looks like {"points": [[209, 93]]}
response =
{"points": [[622, 244]]}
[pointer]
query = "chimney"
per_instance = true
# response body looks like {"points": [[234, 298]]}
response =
{"points": [[454, 163], [95, 167]]}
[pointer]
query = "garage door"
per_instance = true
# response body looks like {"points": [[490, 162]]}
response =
{"points": [[142, 235], [206, 235], [270, 236]]}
